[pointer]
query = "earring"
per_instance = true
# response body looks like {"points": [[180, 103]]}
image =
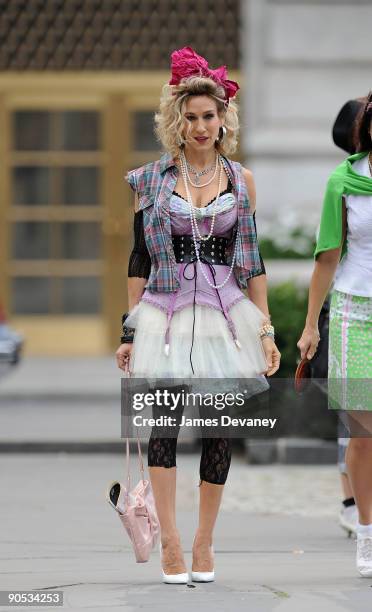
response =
{"points": [[222, 133]]}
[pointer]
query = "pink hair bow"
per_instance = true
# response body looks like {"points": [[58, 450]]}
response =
{"points": [[186, 62]]}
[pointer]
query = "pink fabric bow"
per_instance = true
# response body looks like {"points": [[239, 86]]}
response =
{"points": [[186, 62]]}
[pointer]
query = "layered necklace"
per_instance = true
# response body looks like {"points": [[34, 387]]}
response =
{"points": [[220, 162], [198, 174]]}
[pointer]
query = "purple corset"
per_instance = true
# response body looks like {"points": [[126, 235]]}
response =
{"points": [[193, 287]]}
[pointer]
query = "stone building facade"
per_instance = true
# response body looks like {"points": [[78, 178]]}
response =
{"points": [[302, 60]]}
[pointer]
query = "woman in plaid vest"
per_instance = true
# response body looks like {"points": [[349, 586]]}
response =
{"points": [[195, 250]]}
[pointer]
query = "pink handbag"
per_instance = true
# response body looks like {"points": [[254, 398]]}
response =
{"points": [[139, 515]]}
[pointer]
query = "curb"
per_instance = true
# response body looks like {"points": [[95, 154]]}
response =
{"points": [[68, 396], [79, 447], [291, 451]]}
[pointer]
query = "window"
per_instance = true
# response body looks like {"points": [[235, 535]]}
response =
{"points": [[56, 210]]}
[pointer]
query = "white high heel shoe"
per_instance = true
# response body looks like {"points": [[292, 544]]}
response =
{"points": [[173, 578], [203, 576]]}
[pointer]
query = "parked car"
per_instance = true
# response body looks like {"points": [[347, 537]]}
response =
{"points": [[10, 344]]}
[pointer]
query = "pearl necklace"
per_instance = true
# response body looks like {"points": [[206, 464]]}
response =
{"points": [[189, 198], [194, 225], [199, 185]]}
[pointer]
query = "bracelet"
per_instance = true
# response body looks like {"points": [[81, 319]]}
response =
{"points": [[268, 336], [126, 339], [267, 330], [127, 332], [124, 317]]}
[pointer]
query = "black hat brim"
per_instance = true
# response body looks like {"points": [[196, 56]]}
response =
{"points": [[343, 127]]}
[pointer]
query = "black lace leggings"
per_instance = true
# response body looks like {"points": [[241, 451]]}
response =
{"points": [[215, 455], [214, 461]]}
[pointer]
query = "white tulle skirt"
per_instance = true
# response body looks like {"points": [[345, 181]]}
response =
{"points": [[215, 353]]}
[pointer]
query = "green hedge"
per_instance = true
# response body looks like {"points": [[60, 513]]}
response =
{"points": [[298, 245], [288, 307]]}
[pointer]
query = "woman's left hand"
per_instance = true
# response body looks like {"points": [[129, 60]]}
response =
{"points": [[272, 355]]}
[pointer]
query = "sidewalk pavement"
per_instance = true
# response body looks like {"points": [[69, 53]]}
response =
{"points": [[62, 404], [281, 549], [56, 378], [49, 404]]}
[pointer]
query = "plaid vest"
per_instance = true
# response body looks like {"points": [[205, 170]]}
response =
{"points": [[154, 182]]}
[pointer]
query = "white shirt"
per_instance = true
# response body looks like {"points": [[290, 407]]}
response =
{"points": [[354, 272]]}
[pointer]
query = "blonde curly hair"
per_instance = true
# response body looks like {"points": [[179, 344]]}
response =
{"points": [[169, 120]]}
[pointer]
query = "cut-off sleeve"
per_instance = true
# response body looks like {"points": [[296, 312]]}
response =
{"points": [[132, 180]]}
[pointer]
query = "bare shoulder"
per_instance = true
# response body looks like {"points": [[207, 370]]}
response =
{"points": [[251, 188]]}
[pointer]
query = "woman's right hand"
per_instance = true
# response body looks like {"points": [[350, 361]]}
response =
{"points": [[308, 343], [123, 355]]}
